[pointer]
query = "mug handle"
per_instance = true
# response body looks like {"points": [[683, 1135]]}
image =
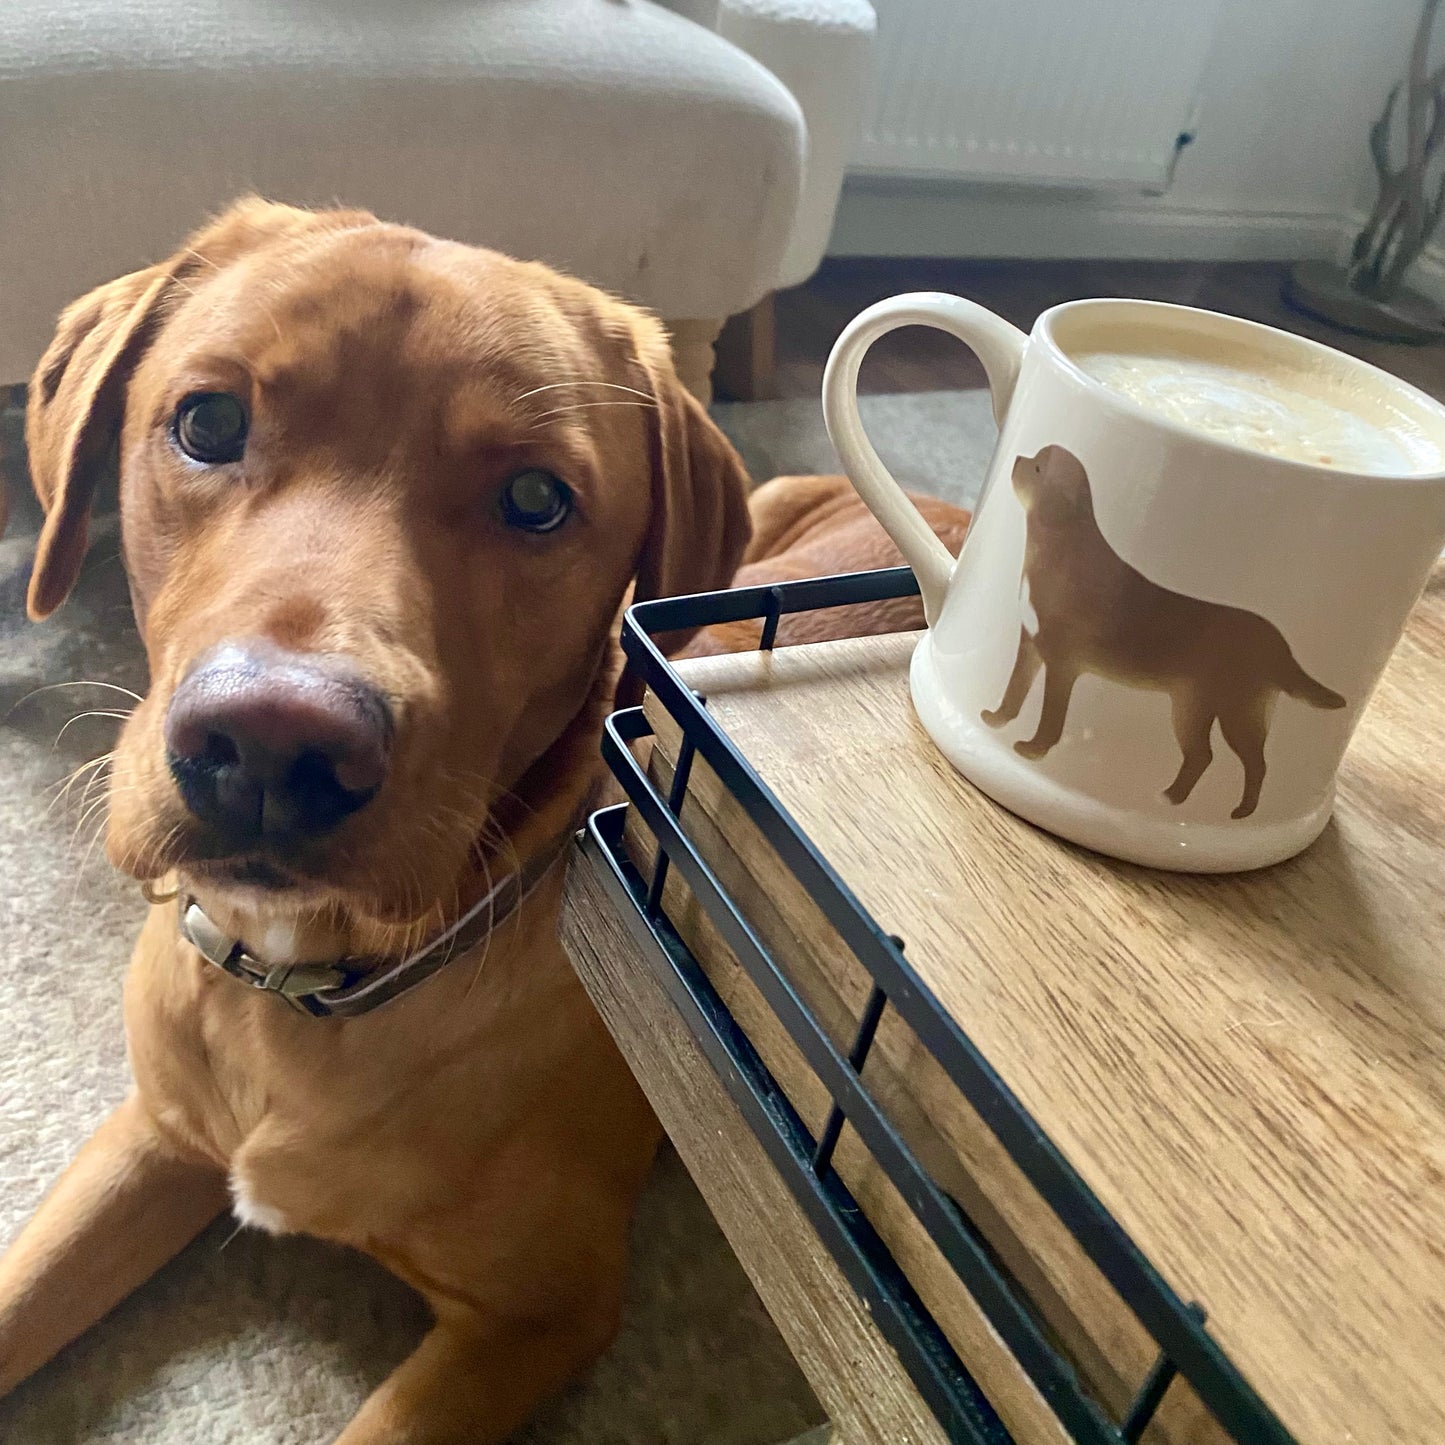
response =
{"points": [[996, 343]]}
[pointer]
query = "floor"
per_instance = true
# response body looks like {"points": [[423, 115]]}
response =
{"points": [[809, 317]]}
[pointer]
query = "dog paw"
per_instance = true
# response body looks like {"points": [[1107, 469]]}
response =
{"points": [[1031, 748], [995, 717], [1176, 794], [1244, 810]]}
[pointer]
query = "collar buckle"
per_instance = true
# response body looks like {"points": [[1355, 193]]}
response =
{"points": [[353, 986], [214, 946], [294, 982]]}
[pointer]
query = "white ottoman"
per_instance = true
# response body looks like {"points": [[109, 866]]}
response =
{"points": [[633, 146]]}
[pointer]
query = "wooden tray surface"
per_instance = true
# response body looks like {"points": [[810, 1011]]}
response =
{"points": [[1249, 1071]]}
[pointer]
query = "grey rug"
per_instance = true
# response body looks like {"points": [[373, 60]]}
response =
{"points": [[250, 1339], [936, 442]]}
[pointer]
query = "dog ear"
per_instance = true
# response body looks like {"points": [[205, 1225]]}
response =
{"points": [[76, 398], [700, 524], [1065, 490], [75, 402], [1063, 469]]}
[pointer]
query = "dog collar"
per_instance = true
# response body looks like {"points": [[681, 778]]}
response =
{"points": [[355, 985]]}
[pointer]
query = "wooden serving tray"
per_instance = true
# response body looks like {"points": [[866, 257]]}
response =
{"points": [[1248, 1071]]}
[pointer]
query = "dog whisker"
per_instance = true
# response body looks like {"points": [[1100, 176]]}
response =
{"points": [[85, 862], [63, 788], [88, 792], [93, 712], [486, 944], [195, 255], [94, 564], [507, 795], [98, 807], [608, 385], [547, 416], [80, 768], [55, 686], [230, 1237], [132, 855]]}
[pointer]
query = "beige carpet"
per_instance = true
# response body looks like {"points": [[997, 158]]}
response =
{"points": [[247, 1340]]}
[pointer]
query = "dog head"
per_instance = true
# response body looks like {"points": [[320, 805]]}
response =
{"points": [[1053, 487], [381, 499]]}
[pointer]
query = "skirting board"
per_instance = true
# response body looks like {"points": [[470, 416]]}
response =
{"points": [[1428, 275], [881, 220]]}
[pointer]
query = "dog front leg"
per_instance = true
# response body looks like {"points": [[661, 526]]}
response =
{"points": [[126, 1205], [472, 1381], [1026, 668], [1058, 689], [1193, 723]]}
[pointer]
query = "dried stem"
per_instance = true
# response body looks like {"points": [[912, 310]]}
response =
{"points": [[1404, 215]]}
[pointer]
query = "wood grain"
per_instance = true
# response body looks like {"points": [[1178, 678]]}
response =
{"points": [[851, 1367], [747, 354], [823, 1435], [692, 354], [1107, 1345], [1249, 1071]]}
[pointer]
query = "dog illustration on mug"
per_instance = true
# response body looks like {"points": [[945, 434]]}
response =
{"points": [[1098, 614]]}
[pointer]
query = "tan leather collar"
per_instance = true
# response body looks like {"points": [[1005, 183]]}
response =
{"points": [[356, 985]]}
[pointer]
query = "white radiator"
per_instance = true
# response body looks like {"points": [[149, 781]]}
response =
{"points": [[1043, 92]]}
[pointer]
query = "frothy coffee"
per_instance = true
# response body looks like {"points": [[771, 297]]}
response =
{"points": [[1280, 410]]}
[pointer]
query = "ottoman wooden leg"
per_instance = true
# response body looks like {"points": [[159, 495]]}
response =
{"points": [[747, 354], [692, 354]]}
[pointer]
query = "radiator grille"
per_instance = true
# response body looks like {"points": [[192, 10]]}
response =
{"points": [[1057, 92]]}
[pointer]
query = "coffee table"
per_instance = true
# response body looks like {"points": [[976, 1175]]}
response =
{"points": [[1098, 1153]]}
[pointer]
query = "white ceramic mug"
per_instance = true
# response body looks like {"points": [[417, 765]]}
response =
{"points": [[1250, 602]]}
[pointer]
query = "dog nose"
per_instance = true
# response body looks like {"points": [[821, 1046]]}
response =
{"points": [[266, 744]]}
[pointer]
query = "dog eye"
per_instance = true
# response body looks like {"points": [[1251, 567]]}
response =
{"points": [[210, 427], [536, 501]]}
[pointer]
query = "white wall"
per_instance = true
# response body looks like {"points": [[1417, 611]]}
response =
{"points": [[1279, 167], [1289, 94]]}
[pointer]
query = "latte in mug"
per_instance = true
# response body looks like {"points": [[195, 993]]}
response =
{"points": [[1285, 411]]}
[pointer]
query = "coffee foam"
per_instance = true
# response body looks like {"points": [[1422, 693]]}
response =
{"points": [[1325, 418]]}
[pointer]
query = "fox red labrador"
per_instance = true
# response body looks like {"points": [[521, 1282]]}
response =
{"points": [[381, 496]]}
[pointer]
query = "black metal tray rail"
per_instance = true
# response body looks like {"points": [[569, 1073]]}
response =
{"points": [[805, 1162]]}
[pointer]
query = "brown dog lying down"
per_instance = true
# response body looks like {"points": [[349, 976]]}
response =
{"points": [[377, 534], [814, 527]]}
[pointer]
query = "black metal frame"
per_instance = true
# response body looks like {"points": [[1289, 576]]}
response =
{"points": [[804, 1162]]}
